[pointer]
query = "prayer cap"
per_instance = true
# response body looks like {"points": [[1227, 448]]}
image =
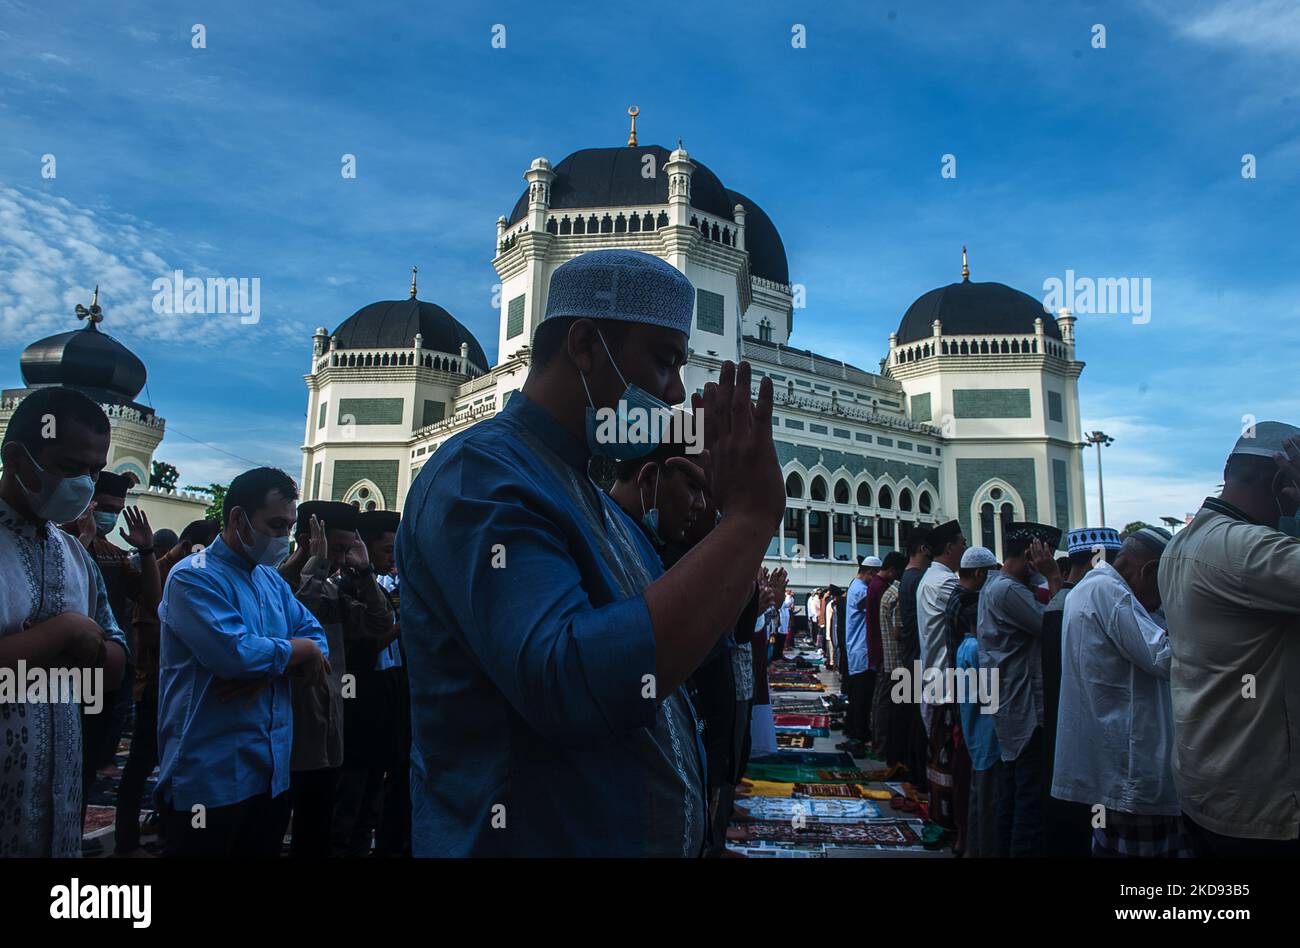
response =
{"points": [[1085, 538], [978, 557], [333, 514], [942, 534], [113, 485], [1026, 532], [873, 561], [1154, 539], [373, 523], [1265, 439], [625, 285]]}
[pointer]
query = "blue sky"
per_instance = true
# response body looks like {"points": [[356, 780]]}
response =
{"points": [[1116, 162]]}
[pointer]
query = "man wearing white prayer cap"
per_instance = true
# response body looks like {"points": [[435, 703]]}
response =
{"points": [[547, 647], [1230, 581]]}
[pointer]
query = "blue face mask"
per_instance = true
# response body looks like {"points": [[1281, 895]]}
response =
{"points": [[105, 521], [637, 422]]}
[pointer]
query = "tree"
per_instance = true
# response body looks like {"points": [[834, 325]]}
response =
{"points": [[163, 475], [1135, 526], [218, 494]]}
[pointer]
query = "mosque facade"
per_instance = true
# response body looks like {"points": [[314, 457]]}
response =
{"points": [[972, 414]]}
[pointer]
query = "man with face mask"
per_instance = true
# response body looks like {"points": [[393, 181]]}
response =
{"points": [[128, 586], [231, 634], [1231, 593], [326, 556], [546, 645], [1116, 730], [54, 614]]}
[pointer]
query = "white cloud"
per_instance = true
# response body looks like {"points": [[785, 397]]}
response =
{"points": [[1259, 25]]}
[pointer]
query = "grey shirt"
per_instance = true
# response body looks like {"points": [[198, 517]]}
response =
{"points": [[1009, 630]]}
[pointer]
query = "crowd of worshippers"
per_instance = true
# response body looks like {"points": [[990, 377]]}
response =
{"points": [[581, 671], [1133, 698], [266, 686]]}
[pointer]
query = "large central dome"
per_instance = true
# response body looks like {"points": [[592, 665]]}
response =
{"points": [[612, 177], [973, 309], [394, 323]]}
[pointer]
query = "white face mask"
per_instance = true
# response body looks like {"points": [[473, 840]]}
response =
{"points": [[264, 550], [60, 499]]}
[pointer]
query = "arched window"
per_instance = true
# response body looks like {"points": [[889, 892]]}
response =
{"points": [[819, 488], [620, 224], [634, 223], [905, 500], [566, 226], [864, 495], [794, 486], [551, 226], [925, 505], [580, 226], [841, 492], [885, 496]]}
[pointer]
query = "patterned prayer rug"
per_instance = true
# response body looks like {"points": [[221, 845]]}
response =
{"points": [[820, 810]]}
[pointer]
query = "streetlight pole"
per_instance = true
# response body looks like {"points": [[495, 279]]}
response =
{"points": [[1100, 439]]}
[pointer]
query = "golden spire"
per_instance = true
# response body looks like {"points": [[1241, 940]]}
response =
{"points": [[965, 270], [632, 112], [414, 270]]}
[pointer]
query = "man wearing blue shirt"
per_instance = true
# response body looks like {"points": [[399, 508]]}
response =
{"points": [[545, 643], [231, 631], [857, 685]]}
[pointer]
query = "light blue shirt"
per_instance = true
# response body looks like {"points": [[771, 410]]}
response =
{"points": [[222, 618], [855, 627], [976, 727], [390, 657]]}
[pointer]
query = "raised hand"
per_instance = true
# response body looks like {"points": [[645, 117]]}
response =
{"points": [[738, 434], [358, 557], [779, 578], [138, 532], [1043, 559], [318, 544]]}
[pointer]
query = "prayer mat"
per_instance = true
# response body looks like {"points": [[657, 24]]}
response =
{"points": [[828, 810], [887, 833], [765, 788], [807, 758], [798, 741], [801, 720], [796, 686], [808, 731], [835, 791], [785, 704], [792, 773]]}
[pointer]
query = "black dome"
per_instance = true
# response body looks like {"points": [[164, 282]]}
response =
{"points": [[611, 177], [85, 359], [967, 308], [394, 323], [766, 251]]}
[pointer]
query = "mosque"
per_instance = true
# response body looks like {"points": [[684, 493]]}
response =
{"points": [[973, 413], [94, 363]]}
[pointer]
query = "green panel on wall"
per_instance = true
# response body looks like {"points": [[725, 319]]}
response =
{"points": [[921, 407], [972, 473], [315, 482], [434, 411], [383, 474], [1061, 493], [515, 317], [708, 311], [1054, 410], [320, 417], [370, 411], [990, 403]]}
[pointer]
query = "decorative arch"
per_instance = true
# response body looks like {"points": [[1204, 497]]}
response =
{"points": [[995, 504], [365, 495]]}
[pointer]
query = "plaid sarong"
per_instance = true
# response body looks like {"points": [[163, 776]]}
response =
{"points": [[1131, 835]]}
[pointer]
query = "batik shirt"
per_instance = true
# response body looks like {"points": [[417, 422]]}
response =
{"points": [[891, 627], [537, 729], [43, 572]]}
